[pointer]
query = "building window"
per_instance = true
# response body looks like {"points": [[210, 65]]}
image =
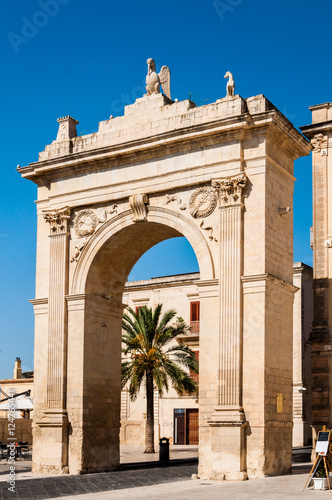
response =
{"points": [[194, 317], [195, 376]]}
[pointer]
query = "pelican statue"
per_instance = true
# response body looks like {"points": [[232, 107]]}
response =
{"points": [[154, 80]]}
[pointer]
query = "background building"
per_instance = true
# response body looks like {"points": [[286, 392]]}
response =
{"points": [[22, 385], [320, 134], [302, 379], [174, 415]]}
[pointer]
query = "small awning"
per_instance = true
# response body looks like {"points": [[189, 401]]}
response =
{"points": [[21, 403]]}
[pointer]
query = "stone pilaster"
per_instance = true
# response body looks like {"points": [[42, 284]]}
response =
{"points": [[227, 421], [56, 368], [231, 206], [52, 425]]}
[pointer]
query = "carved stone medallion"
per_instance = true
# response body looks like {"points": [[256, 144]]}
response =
{"points": [[85, 223], [202, 202]]}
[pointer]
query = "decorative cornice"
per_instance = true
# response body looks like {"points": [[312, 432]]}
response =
{"points": [[164, 143], [138, 204], [67, 118], [58, 220], [272, 279], [202, 283], [117, 304], [39, 302], [230, 189]]}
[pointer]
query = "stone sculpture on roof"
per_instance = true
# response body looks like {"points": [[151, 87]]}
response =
{"points": [[155, 80], [230, 85]]}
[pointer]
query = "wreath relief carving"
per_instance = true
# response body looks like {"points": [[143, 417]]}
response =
{"points": [[202, 202], [85, 224]]}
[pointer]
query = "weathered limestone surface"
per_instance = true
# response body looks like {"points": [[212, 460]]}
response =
{"points": [[302, 378], [222, 176]]}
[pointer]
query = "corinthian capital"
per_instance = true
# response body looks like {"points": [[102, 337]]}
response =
{"points": [[58, 220], [319, 142], [230, 189]]}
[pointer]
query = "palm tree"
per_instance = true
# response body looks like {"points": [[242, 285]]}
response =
{"points": [[151, 356]]}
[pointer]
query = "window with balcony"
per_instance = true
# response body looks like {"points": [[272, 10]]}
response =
{"points": [[194, 317]]}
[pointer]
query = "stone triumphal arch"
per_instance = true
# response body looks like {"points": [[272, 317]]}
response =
{"points": [[222, 176]]}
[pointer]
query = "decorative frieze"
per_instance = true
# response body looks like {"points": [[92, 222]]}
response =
{"points": [[177, 199], [210, 229], [138, 204], [85, 224], [80, 244], [87, 220]]}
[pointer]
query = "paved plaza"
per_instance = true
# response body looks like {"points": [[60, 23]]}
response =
{"points": [[161, 483], [143, 479]]}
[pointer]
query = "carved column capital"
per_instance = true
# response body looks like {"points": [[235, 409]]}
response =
{"points": [[230, 189], [58, 220], [319, 142], [138, 204]]}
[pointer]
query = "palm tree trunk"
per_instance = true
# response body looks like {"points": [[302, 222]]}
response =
{"points": [[149, 446]]}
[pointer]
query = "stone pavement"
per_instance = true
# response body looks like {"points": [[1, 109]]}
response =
{"points": [[66, 485], [162, 484], [153, 481]]}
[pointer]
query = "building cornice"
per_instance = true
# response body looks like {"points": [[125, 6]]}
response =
{"points": [[269, 278], [168, 142], [310, 130]]}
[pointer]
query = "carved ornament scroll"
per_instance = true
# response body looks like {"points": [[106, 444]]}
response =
{"points": [[138, 204]]}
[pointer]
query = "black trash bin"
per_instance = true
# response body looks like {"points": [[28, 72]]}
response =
{"points": [[164, 450]]}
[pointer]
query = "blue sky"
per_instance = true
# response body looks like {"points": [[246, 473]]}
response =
{"points": [[88, 59]]}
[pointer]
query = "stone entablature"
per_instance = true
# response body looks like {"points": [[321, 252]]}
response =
{"points": [[162, 116]]}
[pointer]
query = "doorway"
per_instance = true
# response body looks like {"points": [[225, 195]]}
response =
{"points": [[185, 426]]}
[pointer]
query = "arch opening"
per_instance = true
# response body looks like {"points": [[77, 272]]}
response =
{"points": [[101, 278]]}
